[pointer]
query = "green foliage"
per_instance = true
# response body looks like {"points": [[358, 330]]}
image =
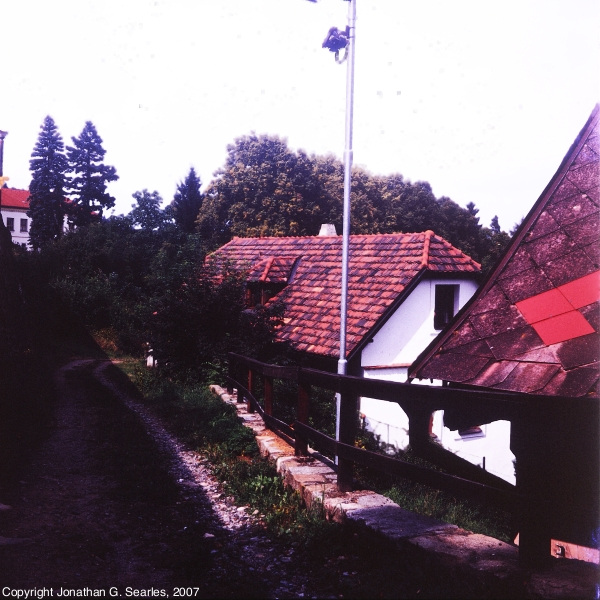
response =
{"points": [[151, 286], [203, 422], [266, 189], [146, 212], [88, 177], [100, 272], [47, 206], [199, 418]]}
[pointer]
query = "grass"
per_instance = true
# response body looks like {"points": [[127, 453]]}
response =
{"points": [[424, 500], [207, 425]]}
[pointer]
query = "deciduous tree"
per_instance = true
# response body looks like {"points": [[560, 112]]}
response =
{"points": [[147, 214]]}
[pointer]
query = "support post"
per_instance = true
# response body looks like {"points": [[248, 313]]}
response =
{"points": [[347, 425], [251, 386], [268, 386], [302, 412]]}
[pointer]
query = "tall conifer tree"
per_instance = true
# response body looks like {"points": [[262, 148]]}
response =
{"points": [[88, 177], [48, 167], [187, 202]]}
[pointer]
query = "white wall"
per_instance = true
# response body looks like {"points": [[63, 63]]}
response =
{"points": [[17, 215], [410, 329], [490, 450]]}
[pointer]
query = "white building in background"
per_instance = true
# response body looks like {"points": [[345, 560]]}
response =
{"points": [[14, 205]]}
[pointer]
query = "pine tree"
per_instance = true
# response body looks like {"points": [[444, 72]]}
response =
{"points": [[48, 166], [89, 177], [187, 202]]}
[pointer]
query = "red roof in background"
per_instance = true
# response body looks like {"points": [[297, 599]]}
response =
{"points": [[12, 198], [380, 269], [533, 326]]}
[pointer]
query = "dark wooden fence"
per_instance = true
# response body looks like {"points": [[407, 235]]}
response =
{"points": [[554, 439]]}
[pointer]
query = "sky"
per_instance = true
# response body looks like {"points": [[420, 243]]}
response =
{"points": [[480, 99]]}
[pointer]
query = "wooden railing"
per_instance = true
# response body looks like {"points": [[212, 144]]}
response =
{"points": [[555, 441]]}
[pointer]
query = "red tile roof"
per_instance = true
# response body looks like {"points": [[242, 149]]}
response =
{"points": [[12, 198], [380, 269], [533, 326]]}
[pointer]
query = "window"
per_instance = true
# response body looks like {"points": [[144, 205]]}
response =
{"points": [[23, 225], [446, 302], [471, 432], [10, 223]]}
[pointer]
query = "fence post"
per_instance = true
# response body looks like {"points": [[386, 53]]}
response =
{"points": [[231, 377], [527, 443], [302, 412], [418, 429], [251, 388], [347, 422], [238, 377], [268, 399]]}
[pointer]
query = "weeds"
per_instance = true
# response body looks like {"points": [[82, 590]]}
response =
{"points": [[207, 425], [425, 500]]}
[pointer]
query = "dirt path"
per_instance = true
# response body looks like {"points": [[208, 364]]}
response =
{"points": [[111, 502]]}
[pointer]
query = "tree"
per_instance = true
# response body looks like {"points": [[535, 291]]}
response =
{"points": [[495, 225], [187, 202], [497, 241], [48, 166], [89, 177], [267, 189], [146, 213]]}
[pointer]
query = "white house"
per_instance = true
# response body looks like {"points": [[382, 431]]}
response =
{"points": [[14, 205], [403, 289]]}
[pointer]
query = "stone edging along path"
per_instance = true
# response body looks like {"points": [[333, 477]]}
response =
{"points": [[480, 556]]}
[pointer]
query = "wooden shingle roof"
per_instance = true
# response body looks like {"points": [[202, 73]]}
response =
{"points": [[381, 267], [533, 326]]}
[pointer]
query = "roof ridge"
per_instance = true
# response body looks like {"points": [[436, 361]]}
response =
{"points": [[267, 268], [426, 243], [320, 237]]}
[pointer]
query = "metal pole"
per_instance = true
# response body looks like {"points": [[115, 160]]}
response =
{"points": [[348, 157], [3, 134]]}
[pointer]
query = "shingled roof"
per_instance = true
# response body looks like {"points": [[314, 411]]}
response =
{"points": [[533, 325], [381, 269]]}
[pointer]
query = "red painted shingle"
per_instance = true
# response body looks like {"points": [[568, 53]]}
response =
{"points": [[549, 275]]}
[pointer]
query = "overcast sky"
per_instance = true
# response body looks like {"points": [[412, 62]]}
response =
{"points": [[480, 99]]}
